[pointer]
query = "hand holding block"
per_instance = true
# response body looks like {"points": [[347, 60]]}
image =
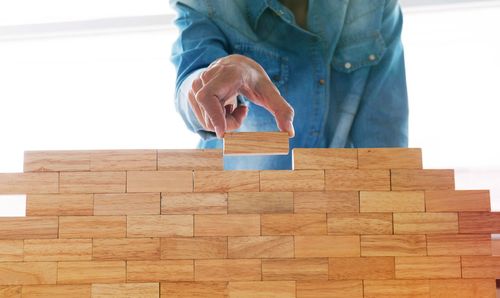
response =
{"points": [[256, 143]]}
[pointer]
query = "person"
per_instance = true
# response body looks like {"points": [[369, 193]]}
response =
{"points": [[331, 73]]}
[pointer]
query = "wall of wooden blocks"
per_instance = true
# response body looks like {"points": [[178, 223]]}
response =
{"points": [[173, 223]]}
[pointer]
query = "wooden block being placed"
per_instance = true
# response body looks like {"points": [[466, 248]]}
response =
{"points": [[59, 204], [190, 159], [157, 271], [481, 267], [326, 202], [55, 161], [262, 289], [458, 200], [227, 270], [28, 273], [357, 180], [425, 223], [25, 183], [194, 203], [198, 289], [11, 250], [324, 158], [428, 267], [256, 143], [390, 158], [299, 180], [479, 222], [422, 179], [127, 204], [362, 268], [392, 201], [36, 227], [396, 288], [160, 181], [194, 248], [123, 160], [85, 272], [326, 246], [10, 291], [57, 249], [295, 269], [359, 223], [227, 225], [159, 226], [92, 226], [260, 247], [92, 182], [56, 291], [126, 249], [146, 290], [330, 288], [393, 245], [463, 288], [294, 224], [225, 181], [459, 245], [260, 202]]}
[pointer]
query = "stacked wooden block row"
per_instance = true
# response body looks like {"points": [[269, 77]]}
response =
{"points": [[173, 223]]}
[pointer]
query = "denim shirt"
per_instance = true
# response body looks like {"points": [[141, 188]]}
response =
{"points": [[344, 75]]}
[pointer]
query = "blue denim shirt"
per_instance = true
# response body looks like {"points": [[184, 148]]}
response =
{"points": [[344, 75]]}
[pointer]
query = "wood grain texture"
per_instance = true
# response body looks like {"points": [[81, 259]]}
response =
{"points": [[295, 269], [294, 224], [10, 291], [28, 273], [359, 223], [123, 160], [92, 226], [227, 270], [197, 289], [463, 288], [326, 202], [458, 245], [361, 268], [324, 158], [261, 247], [326, 246], [426, 223], [158, 271], [357, 180], [393, 245], [495, 247], [260, 202], [330, 288], [126, 290], [194, 203], [85, 272], [479, 222], [159, 181], [190, 159], [57, 249], [481, 267], [428, 267], [422, 179], [92, 182], [225, 181], [299, 180], [392, 201], [26, 183], [57, 160], [36, 227], [159, 226], [262, 289], [126, 249], [227, 225], [458, 200], [194, 248], [390, 158], [127, 204], [59, 204], [396, 288], [56, 291], [11, 250], [256, 143]]}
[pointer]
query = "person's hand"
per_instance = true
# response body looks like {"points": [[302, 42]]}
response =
{"points": [[213, 95]]}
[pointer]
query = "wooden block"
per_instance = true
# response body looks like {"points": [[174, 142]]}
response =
{"points": [[293, 224], [393, 245], [326, 202], [425, 223], [54, 291], [28, 273], [92, 226], [390, 158], [21, 183], [227, 270], [194, 248], [458, 245], [11, 250], [123, 160], [392, 201], [261, 247], [359, 223], [422, 179], [326, 246], [190, 159], [396, 288], [157, 271], [324, 158], [299, 180], [92, 182], [56, 161], [57, 249], [330, 288], [428, 267], [10, 291], [197, 289], [28, 227], [84, 272], [256, 143], [194, 203], [126, 249], [481, 267], [225, 181], [357, 180], [159, 226], [463, 288], [227, 225], [458, 200], [479, 222], [262, 289], [159, 181], [59, 204], [361, 268], [260, 202], [146, 290], [295, 269], [127, 204], [495, 247]]}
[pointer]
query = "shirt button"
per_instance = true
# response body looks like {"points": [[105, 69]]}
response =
{"points": [[372, 57], [321, 82], [348, 65]]}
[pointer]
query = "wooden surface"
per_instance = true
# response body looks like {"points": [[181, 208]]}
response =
{"points": [[256, 143], [320, 159]]}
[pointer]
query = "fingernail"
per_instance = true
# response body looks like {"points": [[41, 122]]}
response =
{"points": [[291, 131]]}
